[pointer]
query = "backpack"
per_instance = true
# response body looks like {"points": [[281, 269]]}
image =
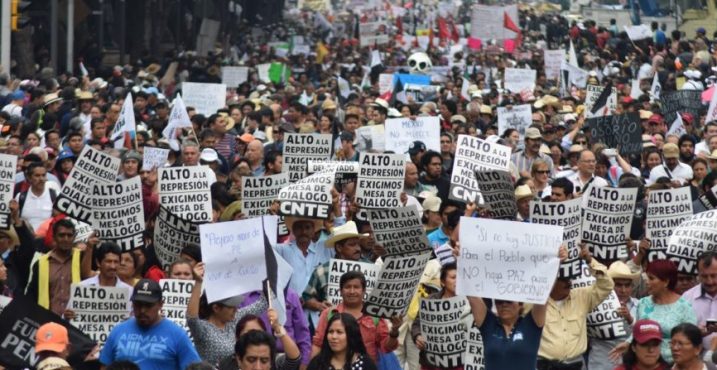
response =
{"points": [[23, 198]]}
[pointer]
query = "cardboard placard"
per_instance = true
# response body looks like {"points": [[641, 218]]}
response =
{"points": [[474, 154], [175, 299], [98, 309], [380, 180], [206, 98], [371, 139], [259, 192], [603, 321], [309, 197], [474, 359], [518, 117], [622, 132], [666, 210], [508, 260], [118, 213], [498, 193], [8, 167], [444, 331], [339, 267], [171, 234], [401, 132], [300, 148], [683, 101], [568, 215], [553, 60], [696, 235], [606, 221], [516, 80], [396, 285], [399, 230], [154, 158], [185, 191], [232, 76]]}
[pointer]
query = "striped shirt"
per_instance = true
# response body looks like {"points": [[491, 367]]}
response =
{"points": [[523, 163], [226, 146]]}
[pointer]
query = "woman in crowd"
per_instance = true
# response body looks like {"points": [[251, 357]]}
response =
{"points": [[213, 325], [556, 154], [644, 351], [180, 269], [511, 137], [540, 174], [342, 346], [699, 171], [127, 269], [686, 345], [650, 158]]}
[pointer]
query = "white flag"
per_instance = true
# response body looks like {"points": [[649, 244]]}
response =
{"points": [[304, 99], [678, 127], [178, 118], [712, 111], [656, 88], [344, 87], [635, 91], [375, 58], [464, 90], [83, 70], [125, 124], [572, 57]]}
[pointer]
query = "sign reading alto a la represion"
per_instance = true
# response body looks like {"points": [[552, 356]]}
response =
{"points": [[92, 167], [397, 282], [118, 214], [603, 320], [694, 236], [606, 222], [175, 299], [171, 234], [185, 191], [473, 154], [309, 197], [444, 329], [339, 267], [300, 148], [98, 309], [566, 214], [666, 210], [8, 167], [380, 180], [398, 231], [259, 192]]}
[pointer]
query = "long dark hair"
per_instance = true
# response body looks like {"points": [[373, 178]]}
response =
{"points": [[354, 343], [629, 358]]}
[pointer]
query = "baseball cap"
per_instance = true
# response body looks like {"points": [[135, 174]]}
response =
{"points": [[646, 330], [51, 337], [670, 150], [209, 155], [532, 133], [416, 147], [431, 203], [17, 95], [147, 291]]}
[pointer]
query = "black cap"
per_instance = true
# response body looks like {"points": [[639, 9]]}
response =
{"points": [[347, 136], [416, 147], [147, 291]]}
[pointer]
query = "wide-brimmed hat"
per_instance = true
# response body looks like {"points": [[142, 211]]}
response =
{"points": [[343, 232], [523, 191], [713, 155], [85, 95], [230, 211], [12, 234], [620, 270], [51, 98], [291, 220], [381, 103]]}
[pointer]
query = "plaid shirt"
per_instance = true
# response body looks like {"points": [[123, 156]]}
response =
{"points": [[318, 284]]}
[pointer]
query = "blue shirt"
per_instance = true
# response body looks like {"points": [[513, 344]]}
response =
{"points": [[518, 351], [303, 266], [437, 238], [164, 346]]}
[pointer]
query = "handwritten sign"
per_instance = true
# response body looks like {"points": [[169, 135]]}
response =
{"points": [[118, 213], [380, 180], [397, 282], [299, 149], [666, 210], [518, 117], [234, 76], [171, 234], [175, 299], [399, 230], [92, 167], [259, 192], [444, 330], [508, 260], [309, 197], [206, 98], [622, 132], [694, 236], [98, 309], [518, 79], [340, 267], [474, 154], [401, 132], [566, 214], [553, 59], [498, 193], [8, 167], [684, 101], [185, 191], [606, 222], [154, 158], [234, 255]]}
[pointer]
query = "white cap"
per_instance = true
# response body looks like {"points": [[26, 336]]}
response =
{"points": [[209, 155]]}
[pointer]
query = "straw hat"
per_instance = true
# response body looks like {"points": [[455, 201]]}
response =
{"points": [[291, 220], [51, 98], [230, 211], [343, 232], [713, 155], [12, 235], [620, 270], [523, 191]]}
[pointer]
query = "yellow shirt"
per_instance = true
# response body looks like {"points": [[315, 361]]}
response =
{"points": [[565, 332]]}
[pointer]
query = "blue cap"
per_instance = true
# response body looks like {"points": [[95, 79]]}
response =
{"points": [[65, 154], [17, 95], [701, 30]]}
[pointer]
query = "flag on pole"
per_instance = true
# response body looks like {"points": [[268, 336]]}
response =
{"points": [[712, 110], [572, 57], [398, 94], [464, 90], [178, 118], [678, 126], [656, 88], [125, 130], [601, 102], [509, 24]]}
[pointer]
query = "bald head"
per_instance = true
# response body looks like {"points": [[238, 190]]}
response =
{"points": [[411, 176], [255, 152]]}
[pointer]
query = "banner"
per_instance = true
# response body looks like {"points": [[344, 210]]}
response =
{"points": [[498, 193], [622, 132], [444, 329], [185, 191], [593, 92], [666, 210], [153, 158], [603, 321], [396, 285], [8, 167], [639, 32], [206, 98], [258, 193], [553, 60], [508, 260], [175, 299], [373, 33], [606, 222], [684, 101], [92, 167], [171, 234], [232, 77], [401, 132], [98, 309], [473, 358], [696, 235], [19, 322], [474, 154], [518, 79], [233, 253], [300, 148], [380, 180], [566, 214], [518, 117], [118, 213], [399, 230], [340, 267], [309, 197]]}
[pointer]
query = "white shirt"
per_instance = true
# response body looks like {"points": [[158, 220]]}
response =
{"points": [[36, 209], [579, 185], [681, 173], [13, 109], [702, 147], [95, 280]]}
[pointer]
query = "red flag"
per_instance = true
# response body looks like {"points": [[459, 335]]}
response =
{"points": [[442, 29], [508, 23], [430, 38], [399, 25], [454, 32]]}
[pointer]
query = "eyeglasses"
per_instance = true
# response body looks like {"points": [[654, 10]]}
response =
{"points": [[678, 344], [581, 142], [543, 172]]}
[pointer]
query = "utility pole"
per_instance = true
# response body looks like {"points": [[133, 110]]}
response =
{"points": [[70, 35], [53, 34], [5, 36]]}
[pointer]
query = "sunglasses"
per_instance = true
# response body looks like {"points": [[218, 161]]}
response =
{"points": [[543, 172], [581, 142]]}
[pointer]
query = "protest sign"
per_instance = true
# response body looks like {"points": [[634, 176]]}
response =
{"points": [[118, 213], [154, 158], [380, 180], [444, 330], [568, 215], [259, 192], [473, 358], [92, 167], [19, 322], [309, 197], [593, 92], [518, 79], [401, 132], [371, 139], [345, 171], [233, 76], [553, 60], [623, 132], [399, 230], [684, 101], [385, 83], [206, 98], [233, 253], [508, 260], [639, 32], [300, 148], [606, 222], [666, 210], [185, 191], [603, 321], [498, 193], [396, 285], [709, 198], [98, 309], [474, 154], [83, 231], [487, 22], [373, 33], [171, 234], [8, 167], [175, 299], [517, 117], [339, 267], [572, 74], [694, 236]]}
